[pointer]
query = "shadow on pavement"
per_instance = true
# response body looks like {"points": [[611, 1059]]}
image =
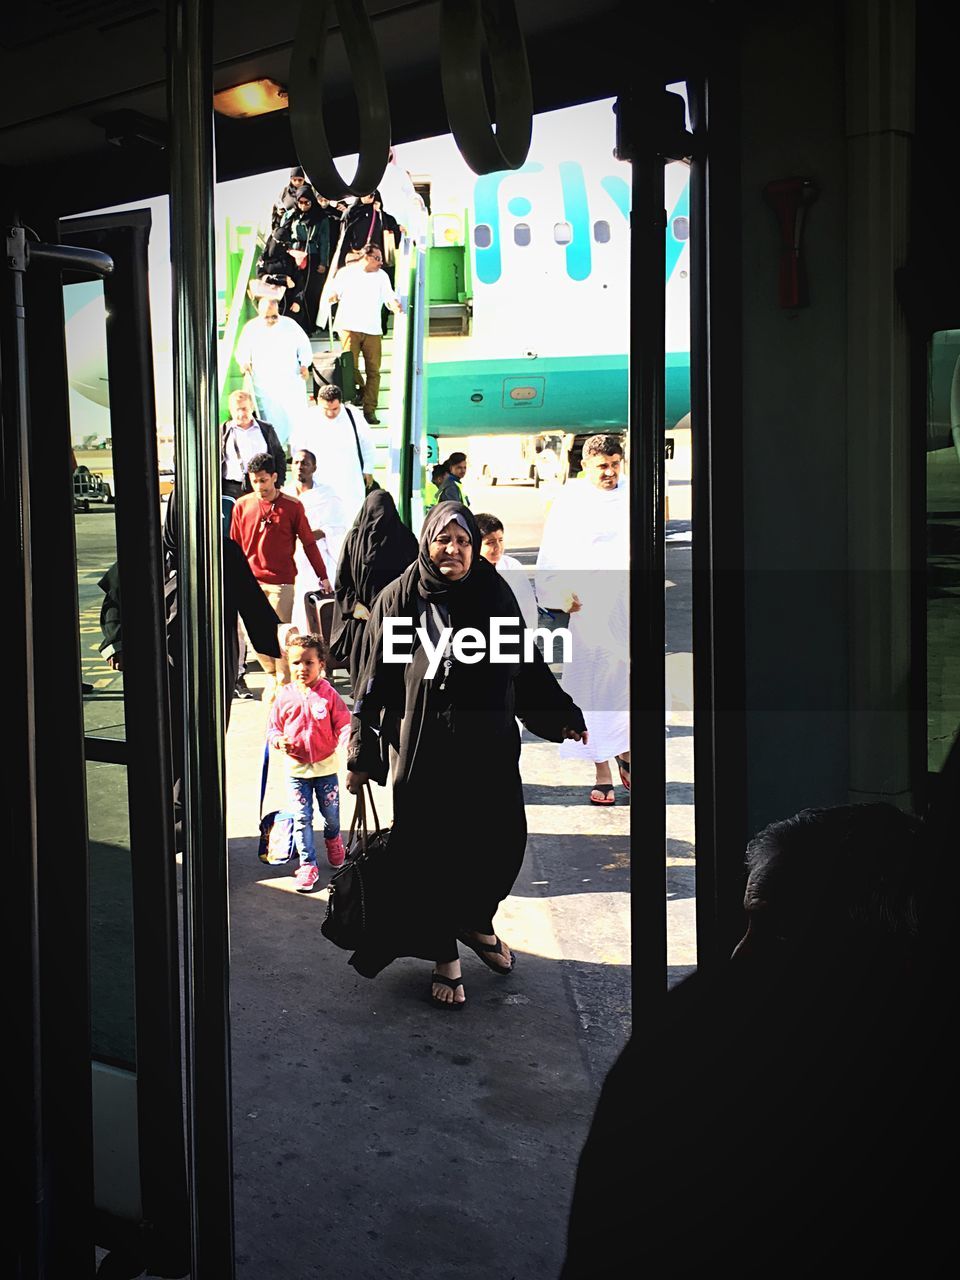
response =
{"points": [[378, 1136]]}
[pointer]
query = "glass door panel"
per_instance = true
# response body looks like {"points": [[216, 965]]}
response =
{"points": [[943, 546], [94, 489], [112, 963]]}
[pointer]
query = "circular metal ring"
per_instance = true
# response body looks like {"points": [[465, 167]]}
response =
{"points": [[463, 26], [306, 98]]}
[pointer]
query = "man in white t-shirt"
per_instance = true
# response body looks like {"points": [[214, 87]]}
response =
{"points": [[276, 353], [362, 291], [327, 524], [342, 445]]}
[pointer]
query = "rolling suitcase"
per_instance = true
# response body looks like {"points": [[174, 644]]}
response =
{"points": [[333, 368], [319, 609]]}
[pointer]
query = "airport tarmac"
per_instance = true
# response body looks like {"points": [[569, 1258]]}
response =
{"points": [[374, 1134]]}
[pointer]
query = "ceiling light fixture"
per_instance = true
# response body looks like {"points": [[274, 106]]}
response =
{"points": [[253, 98]]}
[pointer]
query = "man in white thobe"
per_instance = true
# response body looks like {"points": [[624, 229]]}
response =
{"points": [[327, 524], [582, 569], [343, 447], [276, 353]]}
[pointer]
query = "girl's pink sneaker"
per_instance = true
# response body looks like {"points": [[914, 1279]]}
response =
{"points": [[335, 851], [307, 877]]}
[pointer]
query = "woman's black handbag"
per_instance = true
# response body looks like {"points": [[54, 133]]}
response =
{"points": [[352, 892]]}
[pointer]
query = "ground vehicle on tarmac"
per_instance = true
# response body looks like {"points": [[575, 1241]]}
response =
{"points": [[90, 486]]}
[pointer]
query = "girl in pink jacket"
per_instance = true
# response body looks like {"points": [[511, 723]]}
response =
{"points": [[307, 721]]}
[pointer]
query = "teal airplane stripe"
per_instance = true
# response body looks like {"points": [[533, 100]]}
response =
{"points": [[486, 208], [674, 246], [577, 213], [574, 393], [619, 193]]}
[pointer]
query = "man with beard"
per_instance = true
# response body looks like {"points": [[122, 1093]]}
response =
{"points": [[343, 447], [582, 570], [277, 355]]}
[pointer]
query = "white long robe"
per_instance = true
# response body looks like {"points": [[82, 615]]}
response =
{"points": [[324, 511], [585, 549], [276, 353], [334, 445], [518, 579]]}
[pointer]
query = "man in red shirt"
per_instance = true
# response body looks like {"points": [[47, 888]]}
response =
{"points": [[266, 525]]}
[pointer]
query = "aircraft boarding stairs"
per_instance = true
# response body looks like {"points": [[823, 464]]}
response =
{"points": [[399, 437]]}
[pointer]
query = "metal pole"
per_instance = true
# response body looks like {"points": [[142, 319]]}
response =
{"points": [[31, 1247], [206, 927], [638, 120]]}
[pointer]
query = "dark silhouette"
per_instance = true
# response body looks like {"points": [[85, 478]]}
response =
{"points": [[778, 1117], [242, 598], [376, 550]]}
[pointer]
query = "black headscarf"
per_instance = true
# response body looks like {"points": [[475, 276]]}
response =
{"points": [[470, 601], [432, 585], [377, 549]]}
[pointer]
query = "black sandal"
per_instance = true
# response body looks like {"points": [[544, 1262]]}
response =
{"points": [[605, 791], [483, 949], [624, 767], [452, 983]]}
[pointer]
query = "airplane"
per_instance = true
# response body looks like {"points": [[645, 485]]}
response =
{"points": [[527, 289], [535, 339]]}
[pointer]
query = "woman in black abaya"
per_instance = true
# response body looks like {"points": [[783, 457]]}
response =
{"points": [[367, 222], [456, 735], [377, 549]]}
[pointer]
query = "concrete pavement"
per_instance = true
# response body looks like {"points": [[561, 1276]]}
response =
{"points": [[374, 1134]]}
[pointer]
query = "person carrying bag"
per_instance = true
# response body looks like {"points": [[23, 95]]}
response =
{"points": [[357, 888]]}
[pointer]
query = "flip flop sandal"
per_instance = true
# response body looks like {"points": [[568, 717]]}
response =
{"points": [[485, 949], [605, 791], [452, 983], [624, 767]]}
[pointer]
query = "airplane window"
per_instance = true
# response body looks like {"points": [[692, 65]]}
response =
{"points": [[521, 233], [483, 235], [562, 232], [681, 228], [601, 232]]}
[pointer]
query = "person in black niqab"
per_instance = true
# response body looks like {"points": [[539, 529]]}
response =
{"points": [[306, 230], [367, 222], [376, 550], [465, 718]]}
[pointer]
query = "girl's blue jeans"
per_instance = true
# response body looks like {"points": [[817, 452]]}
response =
{"points": [[301, 793]]}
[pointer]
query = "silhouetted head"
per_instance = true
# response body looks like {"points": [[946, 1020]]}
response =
{"points": [[831, 880]]}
